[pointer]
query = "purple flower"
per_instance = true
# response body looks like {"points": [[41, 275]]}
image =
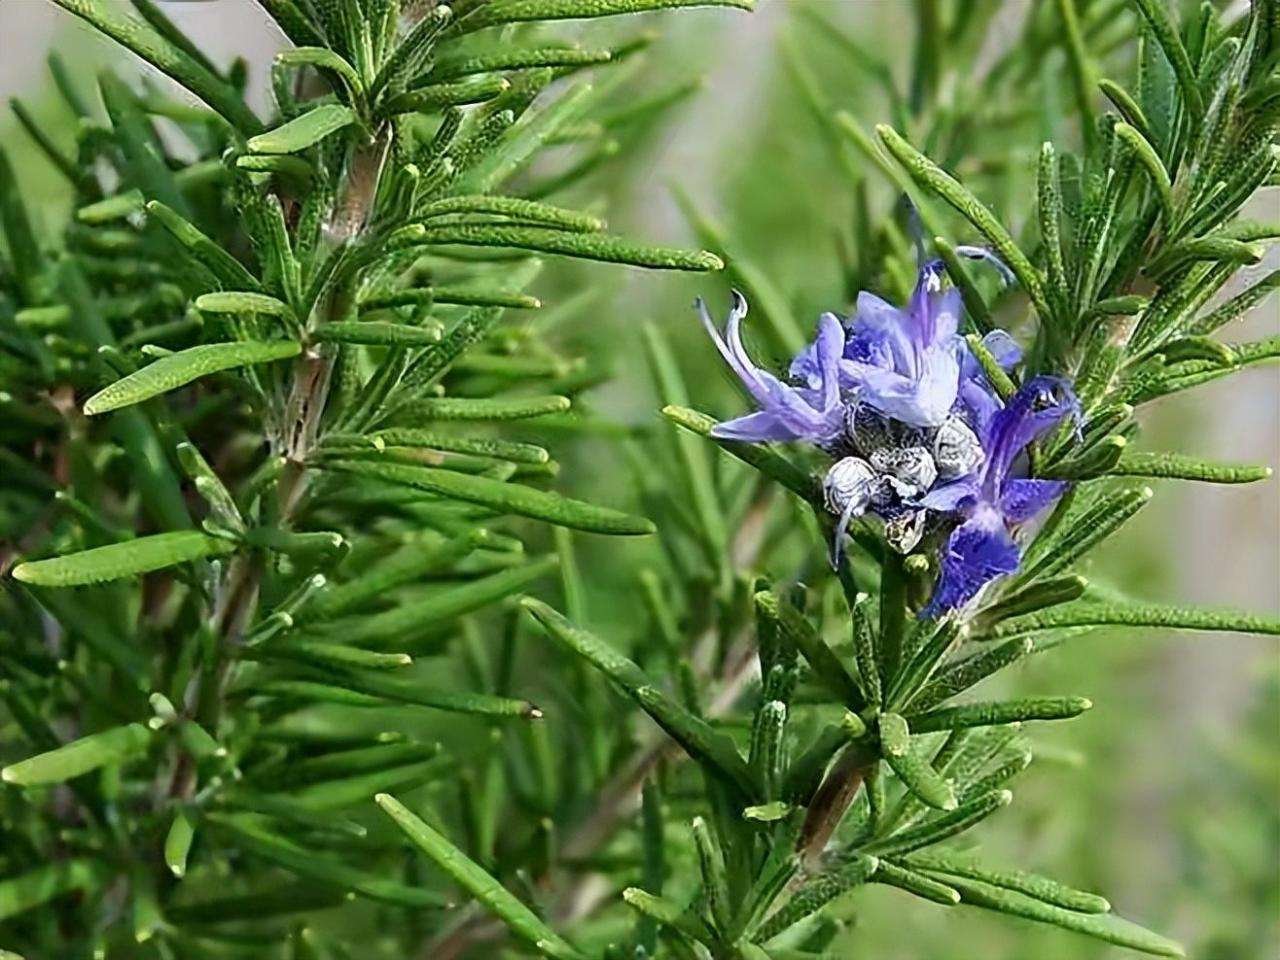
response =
{"points": [[904, 363], [813, 413], [996, 498]]}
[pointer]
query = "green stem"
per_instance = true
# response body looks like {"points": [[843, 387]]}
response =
{"points": [[893, 615]]}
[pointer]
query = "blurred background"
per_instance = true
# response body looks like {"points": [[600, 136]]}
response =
{"points": [[1176, 814]]}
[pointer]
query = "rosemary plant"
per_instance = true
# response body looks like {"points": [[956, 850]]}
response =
{"points": [[268, 518], [256, 465]]}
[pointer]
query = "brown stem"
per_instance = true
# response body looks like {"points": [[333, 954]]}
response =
{"points": [[831, 802], [297, 436]]}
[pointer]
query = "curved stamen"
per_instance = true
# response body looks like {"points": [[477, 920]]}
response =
{"points": [[988, 256]]}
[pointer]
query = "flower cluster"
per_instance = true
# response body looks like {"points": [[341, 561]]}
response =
{"points": [[918, 435]]}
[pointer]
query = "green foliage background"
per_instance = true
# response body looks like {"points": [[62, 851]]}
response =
{"points": [[1180, 750], [1173, 813]]}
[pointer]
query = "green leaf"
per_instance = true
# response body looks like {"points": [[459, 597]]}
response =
{"points": [[894, 735], [715, 881], [991, 369], [484, 408], [1036, 596], [934, 178], [1102, 926], [242, 302], [364, 685], [38, 886], [767, 745], [941, 827], [1081, 534], [222, 506], [406, 618], [1192, 348], [1127, 305], [1129, 108], [914, 882], [918, 775], [963, 674], [693, 733], [304, 131], [229, 271], [177, 843], [344, 763], [324, 59], [179, 369], [511, 450], [376, 333], [864, 649], [1238, 305], [329, 654], [1155, 168], [998, 712], [126, 559], [20, 239], [339, 793], [435, 96], [117, 745], [517, 59], [816, 893], [670, 914], [535, 129], [167, 58], [116, 207], [1166, 33], [411, 562], [827, 668], [517, 208], [289, 167], [1176, 466], [1031, 884], [324, 869], [521, 11], [424, 297], [502, 497], [585, 246], [476, 881], [1091, 613]]}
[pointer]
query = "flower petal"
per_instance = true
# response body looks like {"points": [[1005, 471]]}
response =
{"points": [[1039, 405], [1022, 499], [755, 428], [880, 334], [829, 346], [978, 551], [922, 402], [948, 497], [1004, 348]]}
